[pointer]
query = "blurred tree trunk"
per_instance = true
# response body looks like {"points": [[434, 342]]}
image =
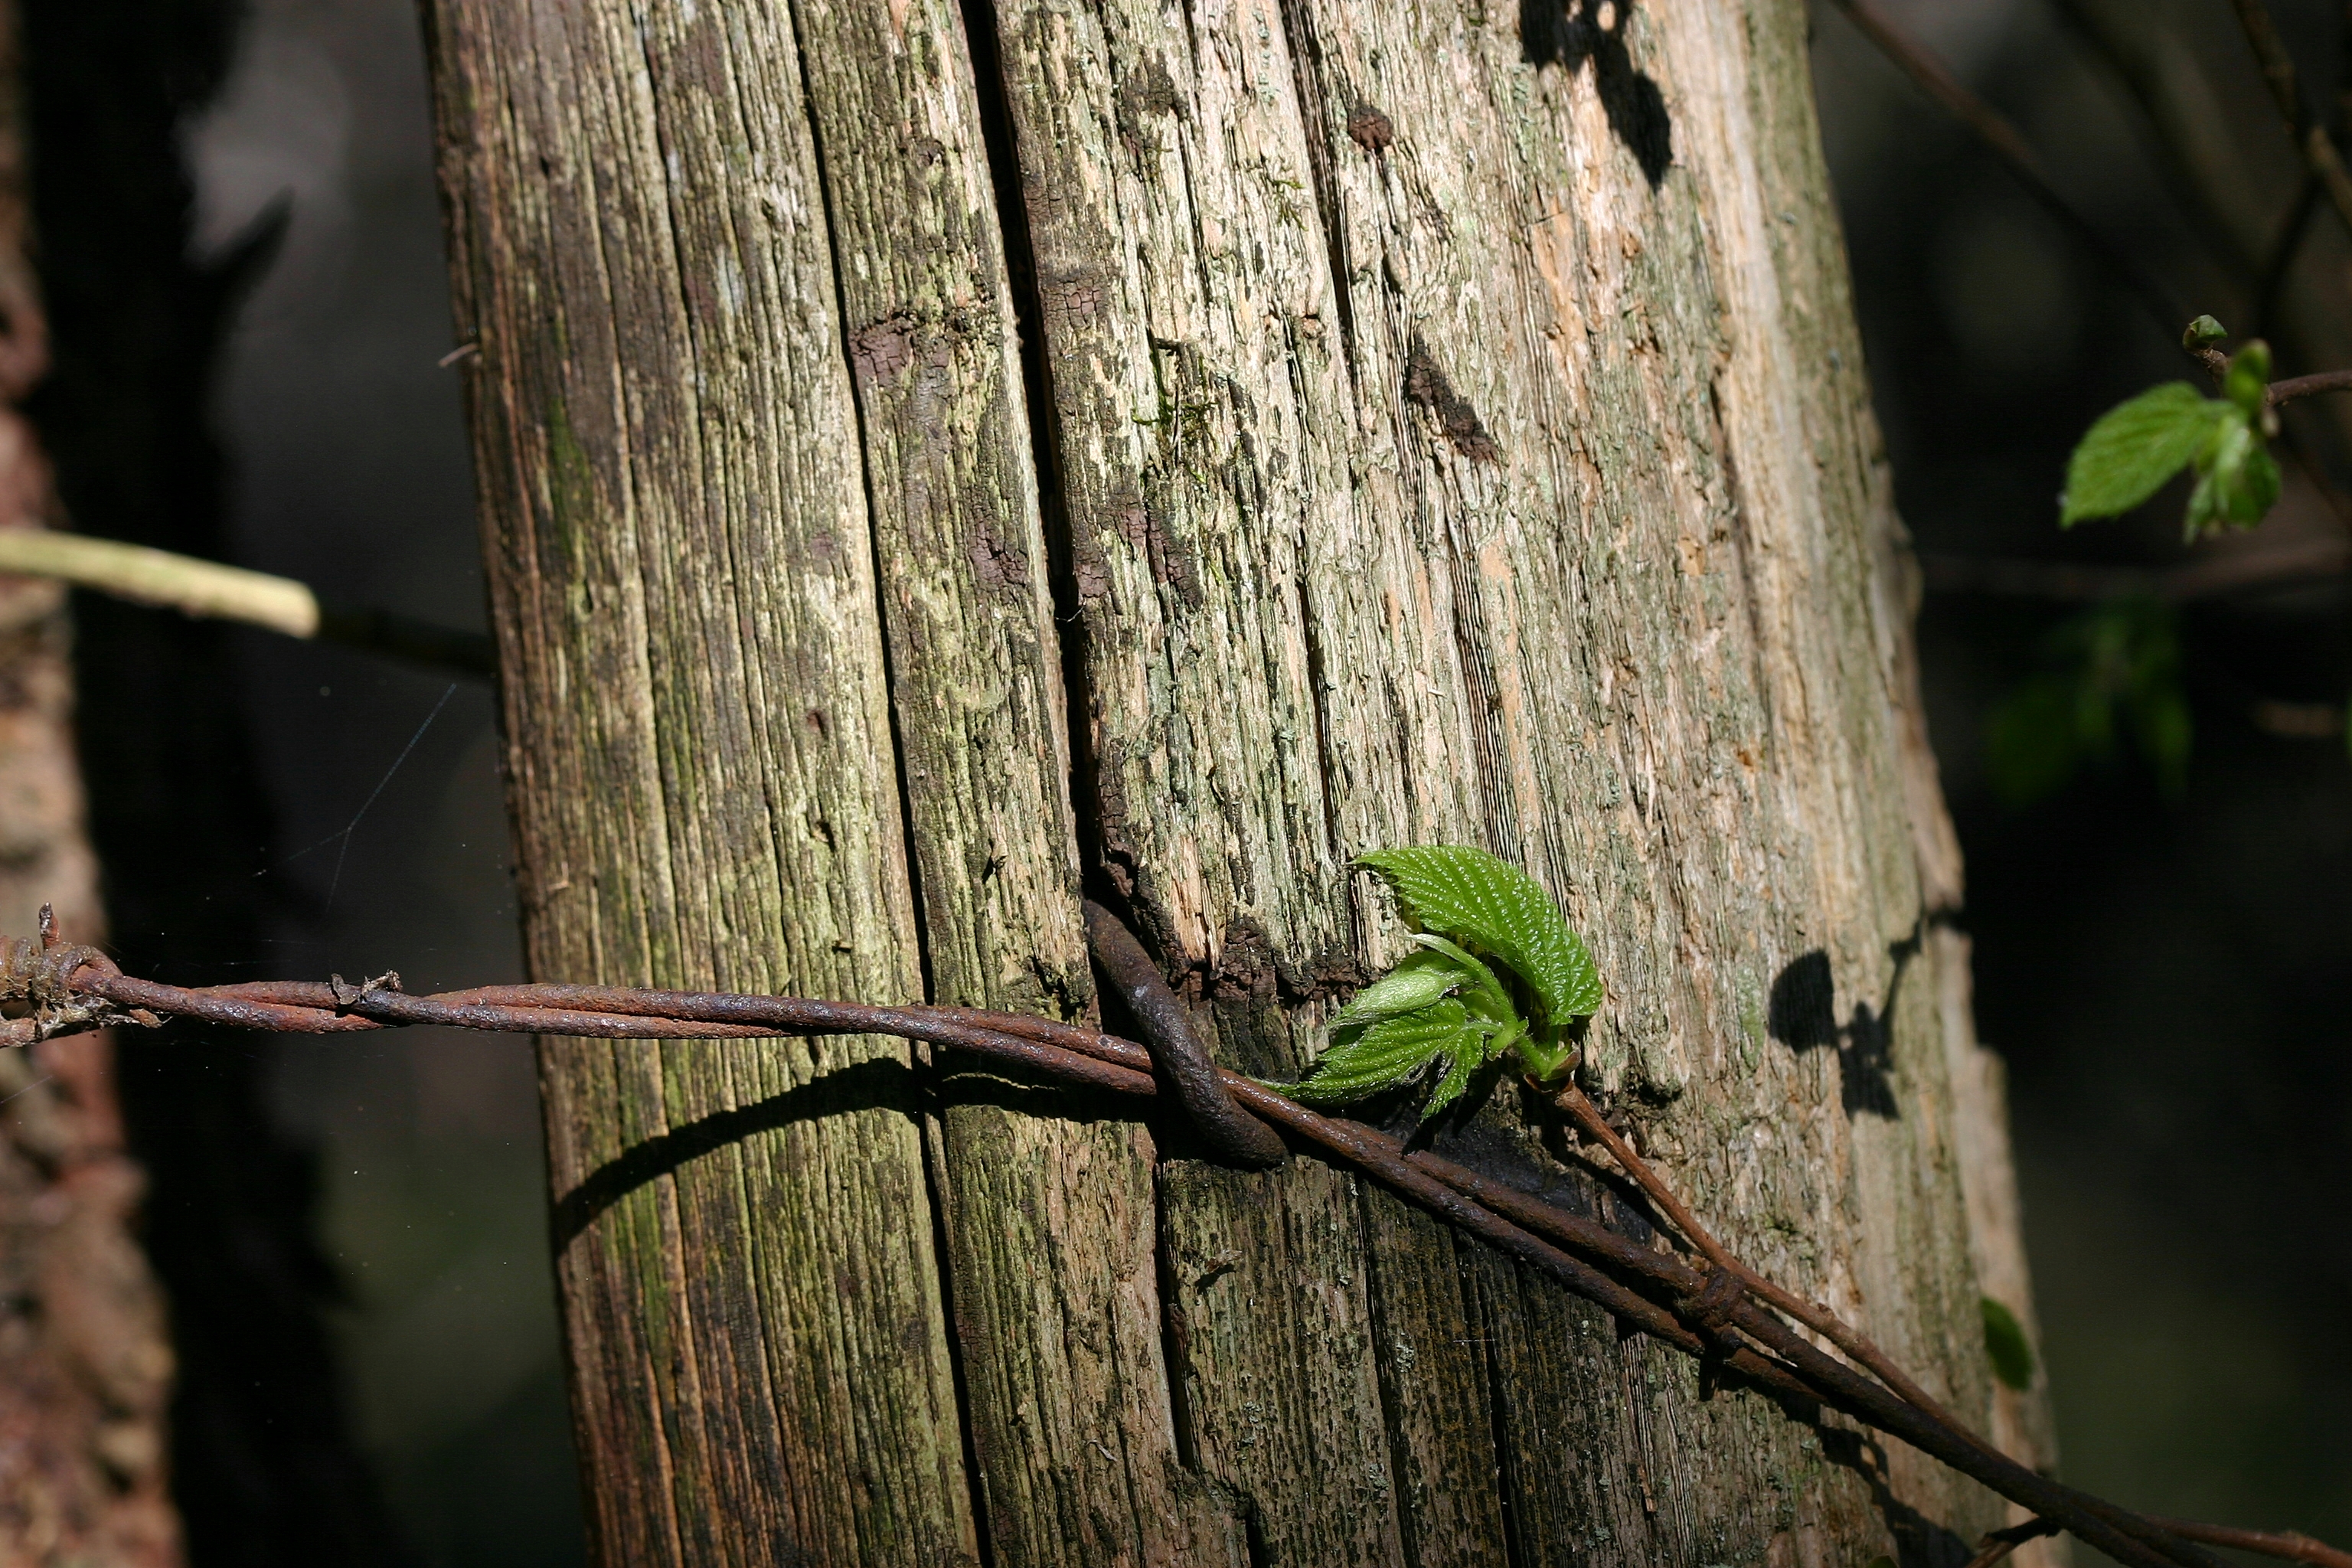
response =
{"points": [[84, 1367], [265, 1468], [930, 461]]}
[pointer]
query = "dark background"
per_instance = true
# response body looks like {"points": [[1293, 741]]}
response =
{"points": [[353, 1236], [2166, 978]]}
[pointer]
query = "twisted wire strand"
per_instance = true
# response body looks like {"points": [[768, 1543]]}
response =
{"points": [[1712, 1313]]}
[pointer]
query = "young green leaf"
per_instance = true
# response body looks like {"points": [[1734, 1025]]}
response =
{"points": [[1387, 1053], [2135, 448], [2005, 1345], [1466, 1055], [1472, 897], [2238, 479], [1420, 979], [1481, 992], [2247, 382], [2203, 333]]}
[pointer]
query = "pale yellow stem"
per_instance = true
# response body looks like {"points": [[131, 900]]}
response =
{"points": [[148, 576]]}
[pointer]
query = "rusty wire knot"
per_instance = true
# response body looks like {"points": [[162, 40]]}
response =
{"points": [[39, 978], [1233, 1134], [1713, 1307], [349, 996]]}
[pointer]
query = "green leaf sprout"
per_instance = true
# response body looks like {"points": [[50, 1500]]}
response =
{"points": [[1445, 1002], [2138, 446], [2006, 1346]]}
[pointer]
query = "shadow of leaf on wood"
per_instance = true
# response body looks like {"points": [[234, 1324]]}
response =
{"points": [[1803, 1016]]}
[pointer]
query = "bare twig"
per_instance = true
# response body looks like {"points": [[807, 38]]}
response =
{"points": [[157, 577], [2297, 720], [2284, 251], [2202, 576], [2003, 139], [214, 592], [390, 635], [2312, 142], [2200, 169], [2296, 387], [1588, 1118], [1847, 1338], [2000, 1543], [2285, 1543]]}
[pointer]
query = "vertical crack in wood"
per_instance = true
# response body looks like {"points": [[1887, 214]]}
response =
{"points": [[934, 1189], [664, 873], [1310, 629], [1400, 1465], [1254, 1539], [927, 1129], [1069, 632], [1318, 689], [1044, 427], [841, 315], [1743, 544], [1474, 647], [1171, 1327], [1509, 1483], [1306, 66]]}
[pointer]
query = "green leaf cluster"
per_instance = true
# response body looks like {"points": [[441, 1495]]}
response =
{"points": [[1446, 1003], [2136, 448], [2113, 669]]}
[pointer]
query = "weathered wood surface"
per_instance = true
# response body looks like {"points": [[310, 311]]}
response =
{"points": [[1448, 426]]}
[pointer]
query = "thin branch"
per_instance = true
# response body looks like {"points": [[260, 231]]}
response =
{"points": [[1812, 1314], [2311, 140], [2196, 171], [2003, 139], [2203, 576], [157, 577], [1847, 1338], [214, 592], [2279, 264], [2286, 1544], [2296, 387], [2296, 720], [2273, 60]]}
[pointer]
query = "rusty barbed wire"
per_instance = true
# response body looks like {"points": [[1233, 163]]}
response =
{"points": [[1720, 1312]]}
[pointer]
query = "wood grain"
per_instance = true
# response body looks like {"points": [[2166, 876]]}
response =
{"points": [[700, 769], [1435, 424]]}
